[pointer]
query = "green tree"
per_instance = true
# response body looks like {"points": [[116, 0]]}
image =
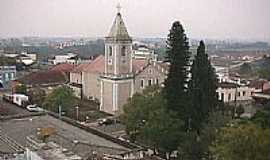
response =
{"points": [[246, 141], [37, 96], [21, 89], [202, 89], [239, 110], [262, 117], [195, 147], [61, 96], [264, 73], [176, 84], [245, 68], [148, 121]]}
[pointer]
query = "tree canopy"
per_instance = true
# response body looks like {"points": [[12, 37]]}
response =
{"points": [[147, 120], [175, 90], [202, 89], [61, 96], [246, 141]]}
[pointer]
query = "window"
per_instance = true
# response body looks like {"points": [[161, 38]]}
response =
{"points": [[142, 83], [110, 50], [222, 96], [149, 82], [244, 93], [110, 62], [156, 81], [239, 94], [229, 97], [123, 51]]}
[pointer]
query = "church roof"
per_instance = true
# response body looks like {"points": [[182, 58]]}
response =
{"points": [[139, 65], [96, 66], [118, 30], [80, 67]]}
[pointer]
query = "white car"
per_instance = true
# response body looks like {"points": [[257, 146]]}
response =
{"points": [[34, 108]]}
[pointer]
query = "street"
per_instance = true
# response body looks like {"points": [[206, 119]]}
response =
{"points": [[8, 109]]}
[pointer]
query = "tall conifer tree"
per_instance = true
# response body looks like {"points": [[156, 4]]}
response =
{"points": [[202, 89], [175, 90]]}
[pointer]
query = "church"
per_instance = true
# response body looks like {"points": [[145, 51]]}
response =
{"points": [[114, 77]]}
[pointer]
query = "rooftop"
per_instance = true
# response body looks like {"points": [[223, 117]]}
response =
{"points": [[227, 85], [66, 134], [118, 30], [56, 75]]}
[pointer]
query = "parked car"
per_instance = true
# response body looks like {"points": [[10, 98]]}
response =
{"points": [[105, 121], [34, 108]]}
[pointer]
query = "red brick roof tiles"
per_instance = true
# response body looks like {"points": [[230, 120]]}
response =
{"points": [[80, 67], [96, 66], [64, 67]]}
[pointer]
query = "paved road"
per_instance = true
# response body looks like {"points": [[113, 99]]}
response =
{"points": [[7, 109]]}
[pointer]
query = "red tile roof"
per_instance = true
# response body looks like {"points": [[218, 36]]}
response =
{"points": [[258, 84], [138, 65], [56, 75], [64, 67], [267, 91], [80, 67], [44, 78], [96, 66]]}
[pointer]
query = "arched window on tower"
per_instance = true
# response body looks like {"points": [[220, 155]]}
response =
{"points": [[123, 51], [110, 50]]}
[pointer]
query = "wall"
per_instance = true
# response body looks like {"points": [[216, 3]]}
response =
{"points": [[75, 77], [242, 93], [153, 73], [91, 85]]}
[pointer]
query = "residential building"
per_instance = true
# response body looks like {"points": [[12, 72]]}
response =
{"points": [[23, 57], [65, 58], [7, 74], [143, 52], [231, 92]]}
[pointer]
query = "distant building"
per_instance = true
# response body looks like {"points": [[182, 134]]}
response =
{"points": [[230, 92], [70, 58], [7, 74], [143, 52], [48, 79], [24, 57], [65, 58]]}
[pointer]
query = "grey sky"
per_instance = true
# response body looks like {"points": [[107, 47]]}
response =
{"points": [[144, 18]]}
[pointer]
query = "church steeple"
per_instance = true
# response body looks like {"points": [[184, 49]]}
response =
{"points": [[118, 30], [117, 80]]}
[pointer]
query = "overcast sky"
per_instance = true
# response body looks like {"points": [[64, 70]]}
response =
{"points": [[223, 19]]}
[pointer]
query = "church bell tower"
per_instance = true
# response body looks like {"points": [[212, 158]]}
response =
{"points": [[117, 80]]}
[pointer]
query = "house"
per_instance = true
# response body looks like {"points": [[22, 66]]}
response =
{"points": [[143, 52], [75, 79], [64, 58], [231, 92], [55, 76], [24, 57]]}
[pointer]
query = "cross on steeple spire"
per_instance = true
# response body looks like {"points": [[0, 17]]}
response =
{"points": [[118, 7]]}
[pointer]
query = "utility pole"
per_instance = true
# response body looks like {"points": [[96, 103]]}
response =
{"points": [[59, 111], [77, 112]]}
